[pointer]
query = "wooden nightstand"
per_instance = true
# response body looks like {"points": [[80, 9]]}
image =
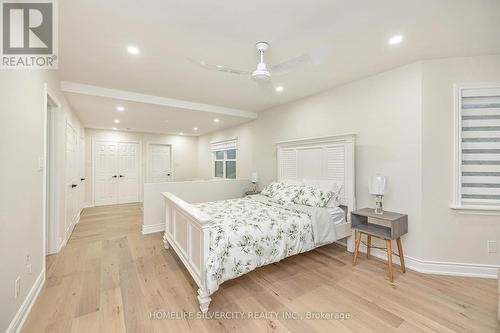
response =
{"points": [[386, 226]]}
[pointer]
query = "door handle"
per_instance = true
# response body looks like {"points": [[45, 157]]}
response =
{"points": [[168, 174], [121, 176], [114, 176], [73, 185], [82, 179]]}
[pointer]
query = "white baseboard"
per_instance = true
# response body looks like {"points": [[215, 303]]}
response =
{"points": [[17, 322], [440, 268], [152, 228], [87, 205]]}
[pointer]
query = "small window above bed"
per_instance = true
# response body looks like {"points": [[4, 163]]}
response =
{"points": [[224, 158]]}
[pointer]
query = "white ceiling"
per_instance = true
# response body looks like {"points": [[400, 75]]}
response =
{"points": [[94, 35], [100, 112]]}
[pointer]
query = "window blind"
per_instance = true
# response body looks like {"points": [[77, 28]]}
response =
{"points": [[480, 147]]}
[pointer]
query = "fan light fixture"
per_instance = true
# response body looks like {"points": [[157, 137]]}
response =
{"points": [[261, 73]]}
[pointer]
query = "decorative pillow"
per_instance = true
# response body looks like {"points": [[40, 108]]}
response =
{"points": [[286, 194], [272, 189], [328, 185], [312, 196]]}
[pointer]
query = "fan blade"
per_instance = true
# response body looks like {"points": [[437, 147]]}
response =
{"points": [[266, 87], [289, 65], [219, 67], [315, 57]]}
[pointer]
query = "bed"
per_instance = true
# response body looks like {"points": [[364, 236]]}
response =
{"points": [[221, 240]]}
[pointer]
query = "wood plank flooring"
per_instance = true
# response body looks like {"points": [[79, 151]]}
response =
{"points": [[110, 278]]}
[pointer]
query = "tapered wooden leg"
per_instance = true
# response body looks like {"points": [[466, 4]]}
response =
{"points": [[389, 258], [401, 256], [368, 246], [356, 249]]}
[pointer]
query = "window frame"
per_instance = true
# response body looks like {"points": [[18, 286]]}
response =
{"points": [[457, 204], [224, 161]]}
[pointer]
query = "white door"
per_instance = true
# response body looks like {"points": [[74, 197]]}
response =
{"points": [[159, 164], [116, 173], [81, 166], [128, 172], [106, 173], [72, 177]]}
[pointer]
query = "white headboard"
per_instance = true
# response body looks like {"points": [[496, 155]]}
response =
{"points": [[322, 158]]}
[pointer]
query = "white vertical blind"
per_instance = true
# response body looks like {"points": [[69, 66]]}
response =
{"points": [[480, 147]]}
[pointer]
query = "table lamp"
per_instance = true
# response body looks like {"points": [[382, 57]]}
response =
{"points": [[377, 188], [254, 178]]}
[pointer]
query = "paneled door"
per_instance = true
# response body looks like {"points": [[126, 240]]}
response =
{"points": [[128, 172], [72, 180], [159, 163], [105, 173], [116, 173]]}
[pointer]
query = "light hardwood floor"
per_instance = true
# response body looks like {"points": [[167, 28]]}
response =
{"points": [[109, 278]]}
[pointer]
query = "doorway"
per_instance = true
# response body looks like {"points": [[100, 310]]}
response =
{"points": [[159, 159]]}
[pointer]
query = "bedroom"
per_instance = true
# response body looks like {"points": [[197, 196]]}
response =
{"points": [[158, 97]]}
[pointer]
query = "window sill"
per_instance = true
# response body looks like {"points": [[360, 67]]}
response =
{"points": [[476, 210]]}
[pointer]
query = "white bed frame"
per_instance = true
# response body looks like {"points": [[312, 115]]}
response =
{"points": [[323, 158]]}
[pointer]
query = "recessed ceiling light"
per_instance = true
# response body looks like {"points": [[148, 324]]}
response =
{"points": [[195, 128], [114, 128], [120, 108], [279, 88], [133, 50], [394, 40], [216, 120], [181, 133], [116, 121]]}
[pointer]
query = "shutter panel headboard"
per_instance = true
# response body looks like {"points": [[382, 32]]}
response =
{"points": [[322, 158]]}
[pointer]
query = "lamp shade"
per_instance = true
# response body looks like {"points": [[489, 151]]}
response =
{"points": [[254, 177], [377, 185]]}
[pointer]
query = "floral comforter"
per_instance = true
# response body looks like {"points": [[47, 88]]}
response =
{"points": [[251, 232]]}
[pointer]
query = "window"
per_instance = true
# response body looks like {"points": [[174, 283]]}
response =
{"points": [[477, 154], [224, 153]]}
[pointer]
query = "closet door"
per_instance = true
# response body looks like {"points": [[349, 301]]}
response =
{"points": [[105, 173], [128, 172]]}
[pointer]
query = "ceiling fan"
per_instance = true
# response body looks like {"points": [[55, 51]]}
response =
{"points": [[263, 73]]}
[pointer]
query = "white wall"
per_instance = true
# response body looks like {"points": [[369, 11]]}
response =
{"points": [[21, 183], [184, 154], [244, 163], [450, 236], [191, 192]]}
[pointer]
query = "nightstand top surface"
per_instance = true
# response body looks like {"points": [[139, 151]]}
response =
{"points": [[370, 212]]}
